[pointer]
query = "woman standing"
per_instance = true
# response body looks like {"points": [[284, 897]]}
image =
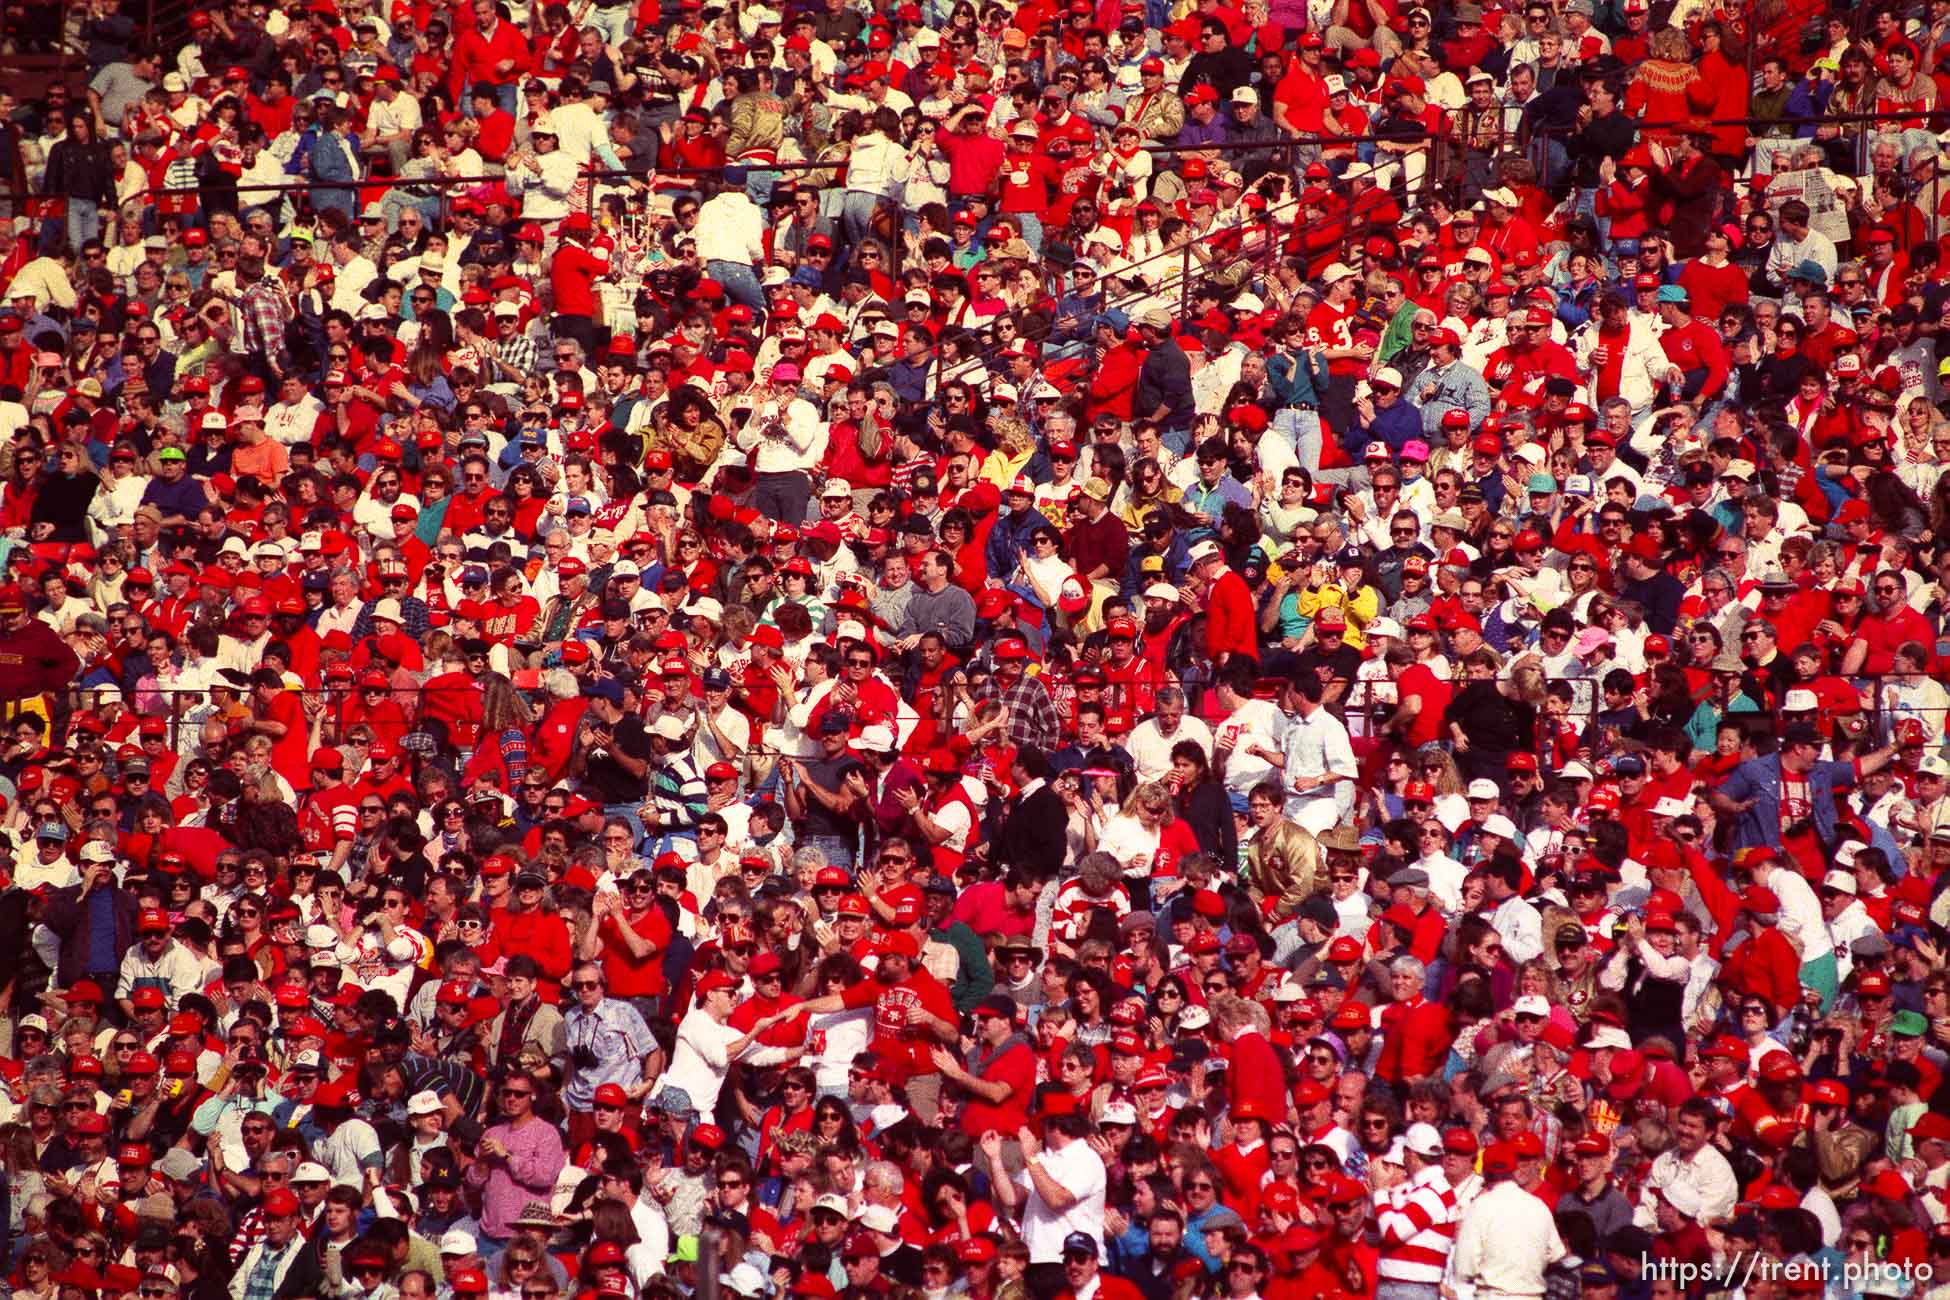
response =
{"points": [[1203, 803], [79, 170]]}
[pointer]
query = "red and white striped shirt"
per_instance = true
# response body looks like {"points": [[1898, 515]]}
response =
{"points": [[1417, 1222]]}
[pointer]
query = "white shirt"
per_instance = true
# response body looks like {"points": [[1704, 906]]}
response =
{"points": [[1800, 913], [1521, 928], [1506, 1241], [798, 444], [400, 113], [351, 1147], [349, 285], [701, 1059], [1150, 748], [730, 228], [292, 422], [1253, 723], [1707, 1172], [545, 187], [577, 129], [1080, 1171], [1318, 746], [1787, 253]]}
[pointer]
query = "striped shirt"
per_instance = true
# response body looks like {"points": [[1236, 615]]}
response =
{"points": [[1417, 1224], [679, 794]]}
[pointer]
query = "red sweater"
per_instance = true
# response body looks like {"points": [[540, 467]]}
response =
{"points": [[475, 57], [1229, 624], [1713, 287]]}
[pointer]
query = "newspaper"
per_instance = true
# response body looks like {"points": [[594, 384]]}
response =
{"points": [[1825, 211]]}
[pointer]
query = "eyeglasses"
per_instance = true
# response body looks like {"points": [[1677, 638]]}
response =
{"points": [[590, 984], [515, 1092]]}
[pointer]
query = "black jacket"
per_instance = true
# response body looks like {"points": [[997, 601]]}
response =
{"points": [[1033, 834], [80, 171]]}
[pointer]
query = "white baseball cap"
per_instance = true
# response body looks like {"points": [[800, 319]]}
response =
{"points": [[1423, 1139]]}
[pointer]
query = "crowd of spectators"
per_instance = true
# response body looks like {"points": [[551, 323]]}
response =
{"points": [[1045, 650]]}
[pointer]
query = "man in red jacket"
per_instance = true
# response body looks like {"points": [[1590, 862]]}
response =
{"points": [[1229, 625], [494, 53], [1415, 1031]]}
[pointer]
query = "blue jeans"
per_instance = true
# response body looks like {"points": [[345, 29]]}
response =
{"points": [[1302, 429], [628, 812], [856, 216], [740, 283], [614, 22], [839, 850], [84, 222], [758, 186], [1032, 230]]}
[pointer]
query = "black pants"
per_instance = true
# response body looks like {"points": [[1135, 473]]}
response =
{"points": [[580, 328], [1045, 1281], [783, 496], [1337, 405]]}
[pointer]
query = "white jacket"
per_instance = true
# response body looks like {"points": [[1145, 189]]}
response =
{"points": [[1645, 364], [730, 228]]}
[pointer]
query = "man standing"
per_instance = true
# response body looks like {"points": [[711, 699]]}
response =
{"points": [[1231, 629], [1320, 769], [1507, 1238], [612, 752], [707, 1044], [731, 241], [1098, 544], [1164, 391], [517, 1160], [912, 1012], [608, 1043], [1415, 1217], [1061, 1191]]}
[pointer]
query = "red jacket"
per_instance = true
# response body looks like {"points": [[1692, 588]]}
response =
{"points": [[475, 57], [1415, 1039], [1229, 624]]}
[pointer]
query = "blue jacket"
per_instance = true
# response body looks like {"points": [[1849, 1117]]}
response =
{"points": [[1009, 538], [1457, 387], [1396, 425], [1759, 780], [330, 163]]}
